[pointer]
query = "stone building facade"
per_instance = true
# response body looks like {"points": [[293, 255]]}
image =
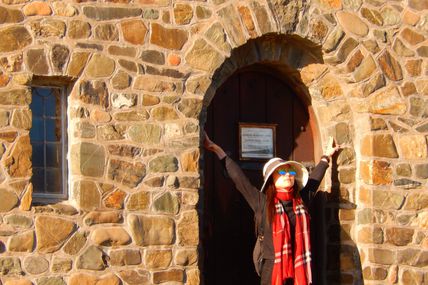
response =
{"points": [[137, 77]]}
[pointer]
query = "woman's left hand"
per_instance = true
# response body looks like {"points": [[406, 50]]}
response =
{"points": [[332, 147]]}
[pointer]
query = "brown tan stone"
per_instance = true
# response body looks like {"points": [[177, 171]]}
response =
{"points": [[187, 229], [216, 35], [78, 29], [158, 259], [121, 80], [365, 69], [183, 14], [77, 63], [37, 8], [330, 87], [186, 257], [399, 236], [387, 101], [145, 133], [110, 13], [125, 257], [100, 116], [37, 62], [48, 28], [376, 172], [173, 275], [352, 23], [354, 61], [100, 66], [203, 56], [138, 201], [106, 32], [190, 161], [164, 113], [413, 147], [63, 9], [18, 160], [36, 264], [387, 200], [23, 242], [10, 15], [94, 218], [232, 24], [263, 18], [87, 159], [312, 72], [151, 230], [381, 256], [126, 173], [51, 232], [412, 37], [18, 282], [61, 265], [122, 51], [133, 277], [375, 273], [414, 67], [372, 16], [113, 236], [247, 19], [115, 199], [86, 279], [168, 38], [390, 66], [22, 119], [134, 31], [92, 258], [379, 145], [75, 243]]}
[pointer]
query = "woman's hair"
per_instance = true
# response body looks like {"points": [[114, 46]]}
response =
{"points": [[270, 198]]}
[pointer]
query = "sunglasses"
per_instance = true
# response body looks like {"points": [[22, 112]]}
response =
{"points": [[283, 172]]}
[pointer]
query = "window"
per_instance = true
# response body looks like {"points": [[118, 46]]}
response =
{"points": [[49, 141]]}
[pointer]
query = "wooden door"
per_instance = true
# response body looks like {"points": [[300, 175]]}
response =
{"points": [[228, 229]]}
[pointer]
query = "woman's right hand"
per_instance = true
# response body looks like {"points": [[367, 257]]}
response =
{"points": [[211, 146]]}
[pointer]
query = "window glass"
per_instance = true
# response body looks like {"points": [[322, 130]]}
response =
{"points": [[47, 139]]}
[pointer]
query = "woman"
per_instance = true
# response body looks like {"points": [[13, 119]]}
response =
{"points": [[281, 215]]}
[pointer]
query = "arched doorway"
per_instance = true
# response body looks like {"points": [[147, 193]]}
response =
{"points": [[253, 95]]}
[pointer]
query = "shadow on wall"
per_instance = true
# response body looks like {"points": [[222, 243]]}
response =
{"points": [[336, 258]]}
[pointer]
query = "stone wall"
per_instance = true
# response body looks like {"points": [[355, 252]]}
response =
{"points": [[141, 71]]}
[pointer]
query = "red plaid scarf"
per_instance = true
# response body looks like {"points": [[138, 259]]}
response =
{"points": [[284, 266]]}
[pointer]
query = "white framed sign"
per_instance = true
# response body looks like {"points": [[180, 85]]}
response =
{"points": [[257, 141]]}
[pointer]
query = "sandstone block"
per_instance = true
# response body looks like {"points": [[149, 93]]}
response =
{"points": [[86, 279], [22, 119], [87, 194], [10, 16], [61, 265], [134, 32], [23, 242], [173, 275], [167, 203], [379, 145], [51, 232], [113, 236], [36, 264], [153, 84], [399, 236], [387, 101], [413, 147], [78, 30], [111, 132], [168, 38], [145, 133], [374, 273], [60, 56], [18, 161], [133, 277], [416, 202], [91, 259], [151, 230], [381, 256], [37, 8], [157, 259], [153, 56], [126, 173], [48, 28], [183, 14], [100, 66], [8, 200], [51, 281], [94, 218], [390, 66], [106, 32], [110, 13], [186, 257], [352, 23], [37, 62], [10, 266], [373, 16], [165, 163], [115, 200], [387, 200], [15, 97], [124, 150], [94, 92], [139, 201], [125, 257], [202, 56], [63, 9], [18, 282], [77, 63], [75, 243], [18, 220], [87, 159], [187, 229], [376, 172], [412, 37], [122, 51]]}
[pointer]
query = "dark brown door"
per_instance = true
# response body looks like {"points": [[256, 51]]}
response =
{"points": [[254, 97]]}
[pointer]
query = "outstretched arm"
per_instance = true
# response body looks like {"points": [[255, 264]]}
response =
{"points": [[250, 193]]}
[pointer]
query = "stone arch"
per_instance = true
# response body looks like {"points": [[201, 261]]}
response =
{"points": [[300, 64]]}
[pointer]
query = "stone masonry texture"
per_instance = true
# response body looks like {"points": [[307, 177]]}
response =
{"points": [[139, 76]]}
